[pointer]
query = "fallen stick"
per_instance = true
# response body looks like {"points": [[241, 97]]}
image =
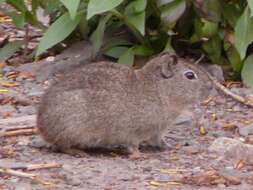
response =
{"points": [[42, 166], [33, 177], [18, 128], [19, 132], [225, 90]]}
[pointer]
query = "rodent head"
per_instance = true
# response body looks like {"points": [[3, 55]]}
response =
{"points": [[178, 82]]}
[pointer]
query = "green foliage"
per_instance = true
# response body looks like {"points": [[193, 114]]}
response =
{"points": [[220, 29], [99, 6], [58, 31], [247, 75], [72, 7], [8, 50]]}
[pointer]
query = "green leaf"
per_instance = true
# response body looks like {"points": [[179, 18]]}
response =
{"points": [[72, 6], [52, 6], [35, 5], [117, 41], [243, 32], [209, 29], [234, 59], [162, 2], [142, 50], [116, 51], [247, 71], [209, 9], [213, 49], [9, 49], [231, 13], [127, 57], [171, 12], [138, 21], [136, 6], [18, 19], [100, 6], [18, 4], [98, 35], [2, 1], [250, 3], [58, 31]]}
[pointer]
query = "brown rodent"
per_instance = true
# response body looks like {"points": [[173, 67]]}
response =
{"points": [[106, 104]]}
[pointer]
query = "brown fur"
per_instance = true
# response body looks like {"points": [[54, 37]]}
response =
{"points": [[106, 104]]}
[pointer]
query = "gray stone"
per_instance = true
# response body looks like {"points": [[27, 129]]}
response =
{"points": [[232, 149], [247, 130]]}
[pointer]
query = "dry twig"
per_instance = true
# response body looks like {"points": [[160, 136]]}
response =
{"points": [[33, 177], [225, 90], [42, 166], [18, 132]]}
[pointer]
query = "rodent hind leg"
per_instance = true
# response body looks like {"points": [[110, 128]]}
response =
{"points": [[134, 152], [66, 148]]}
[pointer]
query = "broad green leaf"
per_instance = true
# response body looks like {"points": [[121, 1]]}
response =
{"points": [[138, 21], [171, 12], [247, 71], [135, 14], [234, 59], [136, 6], [72, 6], [116, 51], [2, 1], [213, 49], [100, 6], [209, 29], [203, 29], [209, 9], [127, 58], [52, 6], [250, 3], [243, 32], [113, 42], [231, 13], [142, 50], [58, 31], [9, 49], [18, 4], [18, 19], [163, 2], [35, 5], [98, 35]]}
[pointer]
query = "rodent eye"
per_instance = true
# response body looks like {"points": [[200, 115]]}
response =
{"points": [[190, 75]]}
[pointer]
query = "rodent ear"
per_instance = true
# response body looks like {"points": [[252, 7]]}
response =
{"points": [[167, 62]]}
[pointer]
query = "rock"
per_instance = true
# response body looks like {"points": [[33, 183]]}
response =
{"points": [[26, 110], [247, 130], [7, 69], [215, 70], [185, 118], [38, 142], [232, 149], [242, 91]]}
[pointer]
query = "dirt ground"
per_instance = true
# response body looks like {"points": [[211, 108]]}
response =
{"points": [[189, 164]]}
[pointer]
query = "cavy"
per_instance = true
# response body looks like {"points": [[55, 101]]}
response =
{"points": [[106, 104]]}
